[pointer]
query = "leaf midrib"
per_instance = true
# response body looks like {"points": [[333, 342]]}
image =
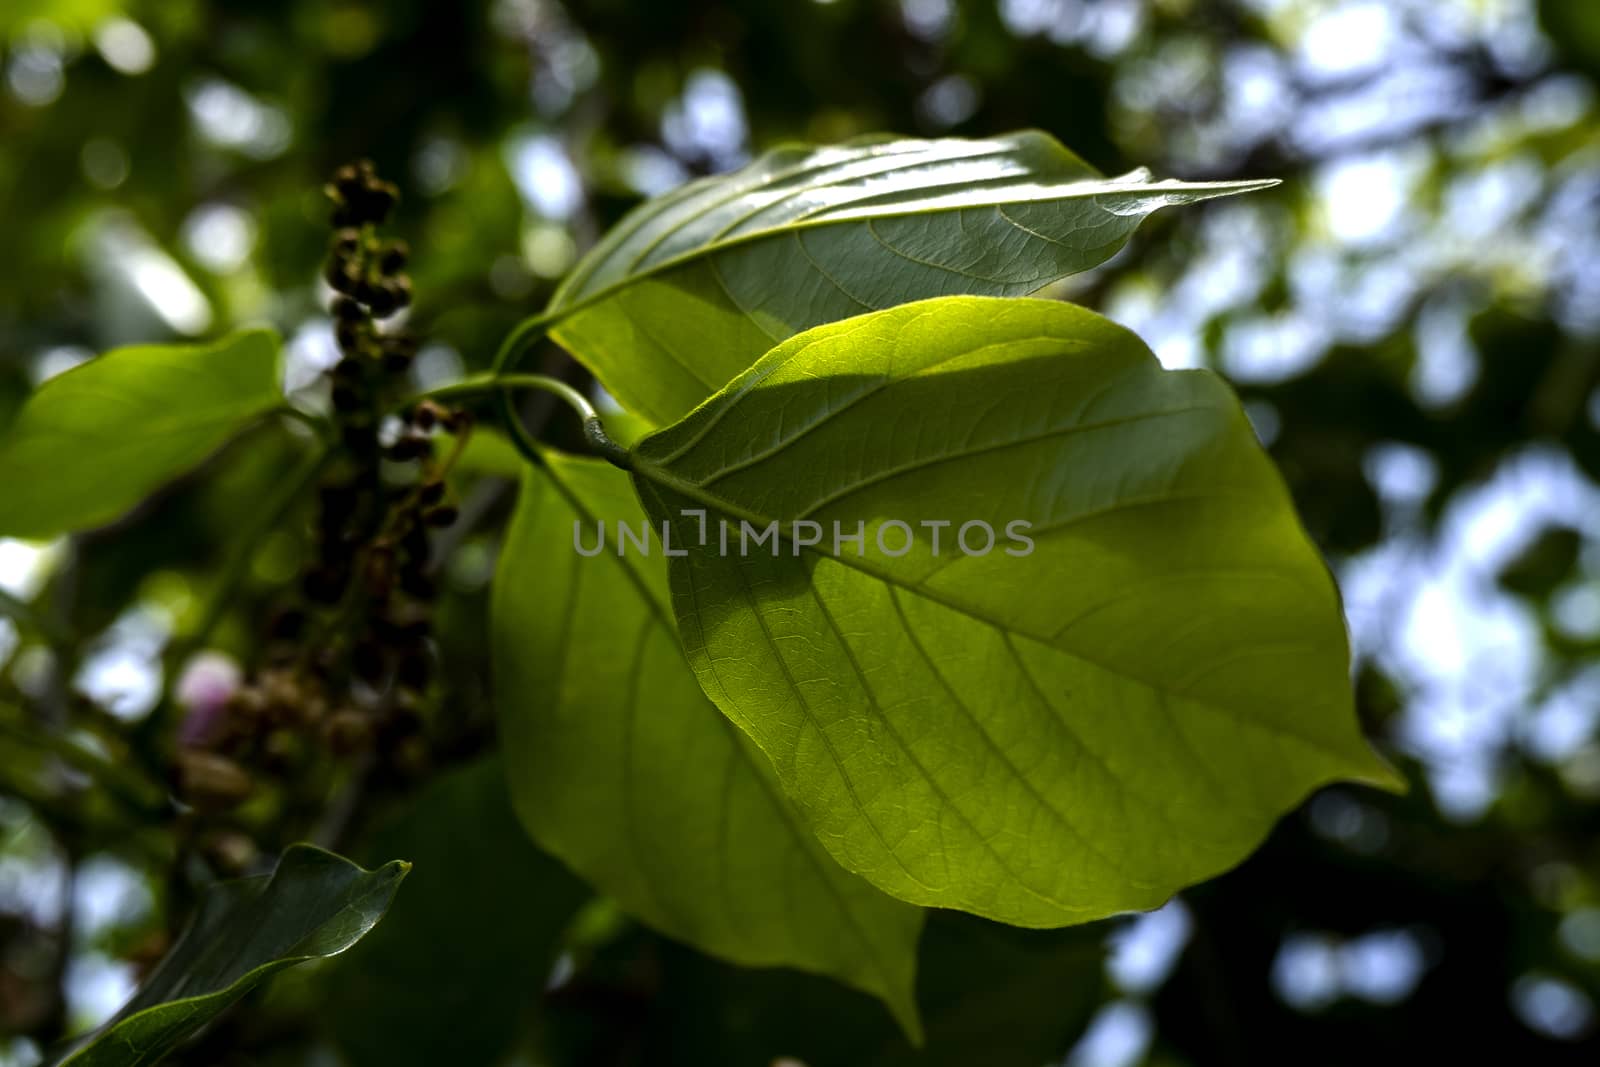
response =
{"points": [[556, 313], [695, 492]]}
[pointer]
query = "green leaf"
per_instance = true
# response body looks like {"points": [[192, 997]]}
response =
{"points": [[1043, 739], [621, 767], [92, 443], [314, 905], [992, 995], [468, 947], [691, 288]]}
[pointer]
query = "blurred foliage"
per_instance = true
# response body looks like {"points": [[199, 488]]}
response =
{"points": [[1413, 318]]}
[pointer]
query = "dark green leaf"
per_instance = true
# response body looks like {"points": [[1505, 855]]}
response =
{"points": [[314, 905], [1046, 738], [93, 442], [991, 995], [692, 288], [620, 765], [468, 947]]}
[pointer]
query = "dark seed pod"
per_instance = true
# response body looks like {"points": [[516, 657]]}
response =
{"points": [[359, 438], [347, 730], [324, 663], [400, 285], [368, 661], [337, 550], [343, 276], [208, 780], [286, 625], [350, 179], [409, 758], [338, 502], [282, 751], [349, 336], [415, 547], [325, 585], [349, 370], [383, 298], [400, 343], [394, 256], [441, 516], [346, 242], [414, 670], [283, 692], [231, 852], [430, 493], [415, 582], [398, 352], [380, 571], [401, 723], [346, 310], [387, 630], [345, 398], [410, 447], [312, 710], [425, 416], [247, 705], [378, 199]]}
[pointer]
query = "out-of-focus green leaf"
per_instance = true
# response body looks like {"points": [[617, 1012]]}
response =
{"points": [[467, 949], [620, 765], [488, 453], [316, 904], [693, 287], [93, 442], [78, 16], [1041, 733], [991, 995]]}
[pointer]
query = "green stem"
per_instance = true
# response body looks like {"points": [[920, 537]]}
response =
{"points": [[483, 383], [594, 431], [527, 334], [518, 342]]}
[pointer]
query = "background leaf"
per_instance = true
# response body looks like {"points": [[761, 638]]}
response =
{"points": [[991, 995], [620, 765], [1041, 740], [465, 953], [315, 904], [693, 287], [93, 442]]}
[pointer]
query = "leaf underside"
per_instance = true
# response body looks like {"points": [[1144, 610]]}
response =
{"points": [[693, 287], [620, 766], [1041, 740], [95, 441]]}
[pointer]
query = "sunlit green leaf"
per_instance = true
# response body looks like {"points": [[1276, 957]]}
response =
{"points": [[693, 287], [1040, 737], [314, 905], [93, 442], [620, 765]]}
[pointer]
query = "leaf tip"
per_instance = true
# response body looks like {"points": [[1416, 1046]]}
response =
{"points": [[1379, 773], [394, 872], [908, 1017]]}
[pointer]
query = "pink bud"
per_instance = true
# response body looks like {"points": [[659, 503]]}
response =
{"points": [[208, 680]]}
